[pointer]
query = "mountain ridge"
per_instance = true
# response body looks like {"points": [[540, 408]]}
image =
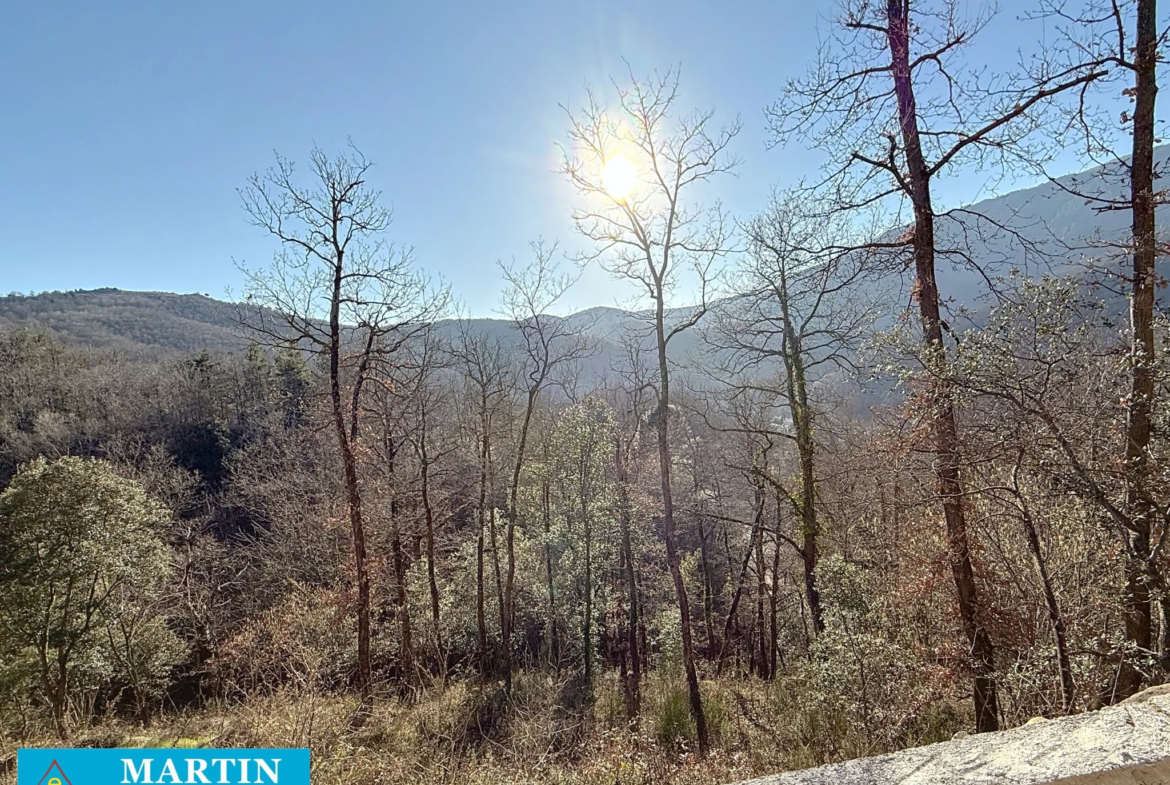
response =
{"points": [[1046, 222]]}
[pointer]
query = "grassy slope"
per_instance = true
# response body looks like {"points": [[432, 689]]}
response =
{"points": [[469, 733]]}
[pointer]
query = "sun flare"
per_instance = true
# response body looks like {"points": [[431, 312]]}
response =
{"points": [[619, 177]]}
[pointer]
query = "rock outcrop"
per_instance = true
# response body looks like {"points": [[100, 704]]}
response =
{"points": [[1127, 744]]}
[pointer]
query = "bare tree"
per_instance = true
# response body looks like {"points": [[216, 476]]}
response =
{"points": [[799, 315], [429, 400], [400, 393], [1124, 37], [336, 288], [1138, 428], [390, 414], [1068, 688], [628, 400], [484, 364], [548, 343], [634, 170], [1045, 361], [890, 129]]}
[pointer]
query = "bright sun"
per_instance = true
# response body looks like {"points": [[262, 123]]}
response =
{"points": [[619, 177]]}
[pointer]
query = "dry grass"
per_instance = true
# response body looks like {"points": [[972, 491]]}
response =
{"points": [[469, 733]]}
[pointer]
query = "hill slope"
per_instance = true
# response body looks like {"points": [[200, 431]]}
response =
{"points": [[134, 322]]}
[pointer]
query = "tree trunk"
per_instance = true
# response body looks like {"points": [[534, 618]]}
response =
{"points": [[587, 524], [1138, 609], [402, 607], [945, 427], [353, 493], [481, 512], [57, 688], [429, 515], [510, 535], [761, 590], [806, 454], [494, 540], [775, 658], [498, 574], [398, 559], [546, 514], [1165, 604], [741, 578], [672, 555], [1064, 662], [633, 681], [708, 591], [1067, 686]]}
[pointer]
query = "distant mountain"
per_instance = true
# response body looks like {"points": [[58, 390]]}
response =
{"points": [[143, 324], [1045, 228], [1049, 228], [133, 322]]}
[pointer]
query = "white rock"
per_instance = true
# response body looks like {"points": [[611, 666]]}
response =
{"points": [[1127, 744]]}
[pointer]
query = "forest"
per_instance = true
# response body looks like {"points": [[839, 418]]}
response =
{"points": [[805, 504]]}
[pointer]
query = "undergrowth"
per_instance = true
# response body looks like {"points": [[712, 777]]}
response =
{"points": [[545, 732]]}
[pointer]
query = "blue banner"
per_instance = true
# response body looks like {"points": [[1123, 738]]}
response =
{"points": [[162, 767]]}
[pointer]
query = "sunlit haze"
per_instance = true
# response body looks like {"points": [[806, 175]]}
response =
{"points": [[128, 127], [620, 177]]}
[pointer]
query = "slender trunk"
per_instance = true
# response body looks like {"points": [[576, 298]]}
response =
{"points": [[497, 573], [1164, 603], [775, 658], [353, 494], [398, 559], [945, 427], [1138, 428], [741, 578], [546, 515], [809, 526], [643, 644], [736, 633], [633, 680], [510, 535], [761, 590], [587, 524], [1067, 685], [58, 693], [429, 517], [494, 540], [806, 453], [1064, 662], [708, 590], [400, 601], [672, 555], [480, 614], [481, 519]]}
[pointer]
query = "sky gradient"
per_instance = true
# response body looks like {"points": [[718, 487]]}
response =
{"points": [[128, 126]]}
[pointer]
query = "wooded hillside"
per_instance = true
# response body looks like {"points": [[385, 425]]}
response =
{"points": [[840, 501]]}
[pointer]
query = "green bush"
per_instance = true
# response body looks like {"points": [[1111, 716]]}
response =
{"points": [[83, 572]]}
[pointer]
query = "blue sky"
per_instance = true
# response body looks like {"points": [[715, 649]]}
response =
{"points": [[128, 126]]}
